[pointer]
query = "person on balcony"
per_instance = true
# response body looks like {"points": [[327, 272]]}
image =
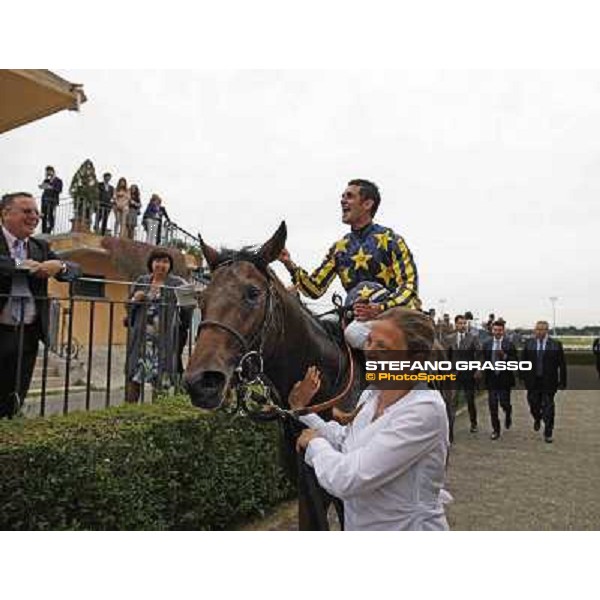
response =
{"points": [[153, 218], [135, 206], [52, 187], [106, 193], [121, 207]]}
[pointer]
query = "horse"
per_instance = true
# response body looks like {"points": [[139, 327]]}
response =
{"points": [[247, 311]]}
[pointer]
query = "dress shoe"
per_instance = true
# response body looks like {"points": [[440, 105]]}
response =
{"points": [[473, 428], [537, 424], [495, 435], [548, 439], [508, 421]]}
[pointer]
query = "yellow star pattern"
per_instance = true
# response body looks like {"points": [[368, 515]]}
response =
{"points": [[386, 274], [361, 259], [365, 292], [341, 245], [345, 276], [383, 240]]}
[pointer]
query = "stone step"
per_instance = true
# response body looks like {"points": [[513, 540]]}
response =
{"points": [[52, 382], [54, 391], [52, 371]]}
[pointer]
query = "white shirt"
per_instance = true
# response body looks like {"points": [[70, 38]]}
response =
{"points": [[6, 317], [389, 472]]}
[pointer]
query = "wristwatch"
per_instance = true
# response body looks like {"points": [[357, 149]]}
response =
{"points": [[63, 266]]}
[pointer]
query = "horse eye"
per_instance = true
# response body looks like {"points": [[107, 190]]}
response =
{"points": [[252, 293]]}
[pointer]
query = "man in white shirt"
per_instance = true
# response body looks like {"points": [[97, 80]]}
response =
{"points": [[26, 263]]}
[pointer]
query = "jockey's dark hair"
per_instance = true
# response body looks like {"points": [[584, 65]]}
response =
{"points": [[457, 317], [157, 255], [368, 191], [8, 199]]}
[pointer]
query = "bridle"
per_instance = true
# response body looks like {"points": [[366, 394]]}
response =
{"points": [[249, 371]]}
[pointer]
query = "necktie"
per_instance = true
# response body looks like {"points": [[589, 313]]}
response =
{"points": [[539, 366], [22, 304]]}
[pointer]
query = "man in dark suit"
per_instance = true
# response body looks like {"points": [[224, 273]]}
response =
{"points": [[596, 351], [464, 345], [26, 263], [52, 187], [105, 202], [499, 382], [548, 375]]}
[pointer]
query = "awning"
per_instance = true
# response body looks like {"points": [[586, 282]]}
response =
{"points": [[30, 94]]}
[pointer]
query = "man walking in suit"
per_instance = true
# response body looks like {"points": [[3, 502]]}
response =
{"points": [[596, 351], [464, 345], [105, 203], [549, 374], [26, 263], [52, 187], [499, 382]]}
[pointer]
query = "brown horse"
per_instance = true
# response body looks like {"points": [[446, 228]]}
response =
{"points": [[246, 308]]}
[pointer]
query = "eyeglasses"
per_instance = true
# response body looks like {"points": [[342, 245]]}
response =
{"points": [[29, 211]]}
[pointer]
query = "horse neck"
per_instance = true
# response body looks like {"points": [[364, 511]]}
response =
{"points": [[298, 343]]}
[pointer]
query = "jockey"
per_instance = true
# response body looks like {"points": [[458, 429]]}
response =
{"points": [[369, 253]]}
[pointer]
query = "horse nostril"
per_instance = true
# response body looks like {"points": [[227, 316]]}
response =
{"points": [[206, 389], [212, 379]]}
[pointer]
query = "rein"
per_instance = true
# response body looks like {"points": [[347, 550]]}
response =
{"points": [[251, 377]]}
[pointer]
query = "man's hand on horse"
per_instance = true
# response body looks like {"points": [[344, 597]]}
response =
{"points": [[305, 438], [366, 311], [304, 391]]}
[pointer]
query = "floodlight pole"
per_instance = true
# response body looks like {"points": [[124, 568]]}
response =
{"points": [[553, 300]]}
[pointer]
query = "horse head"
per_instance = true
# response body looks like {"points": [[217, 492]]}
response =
{"points": [[236, 309]]}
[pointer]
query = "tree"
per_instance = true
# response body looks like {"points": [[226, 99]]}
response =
{"points": [[85, 194]]}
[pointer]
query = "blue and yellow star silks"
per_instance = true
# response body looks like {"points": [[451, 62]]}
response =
{"points": [[374, 253]]}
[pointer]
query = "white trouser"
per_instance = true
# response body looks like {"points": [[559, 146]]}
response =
{"points": [[151, 231]]}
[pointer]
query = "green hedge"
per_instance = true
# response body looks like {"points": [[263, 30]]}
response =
{"points": [[161, 466]]}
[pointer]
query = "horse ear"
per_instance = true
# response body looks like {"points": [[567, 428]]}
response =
{"points": [[210, 254], [270, 250]]}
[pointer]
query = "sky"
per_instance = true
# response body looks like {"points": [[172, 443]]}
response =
{"points": [[491, 176]]}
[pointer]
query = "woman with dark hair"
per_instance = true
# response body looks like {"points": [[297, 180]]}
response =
{"points": [[388, 465], [135, 206], [120, 207], [153, 218], [157, 327]]}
